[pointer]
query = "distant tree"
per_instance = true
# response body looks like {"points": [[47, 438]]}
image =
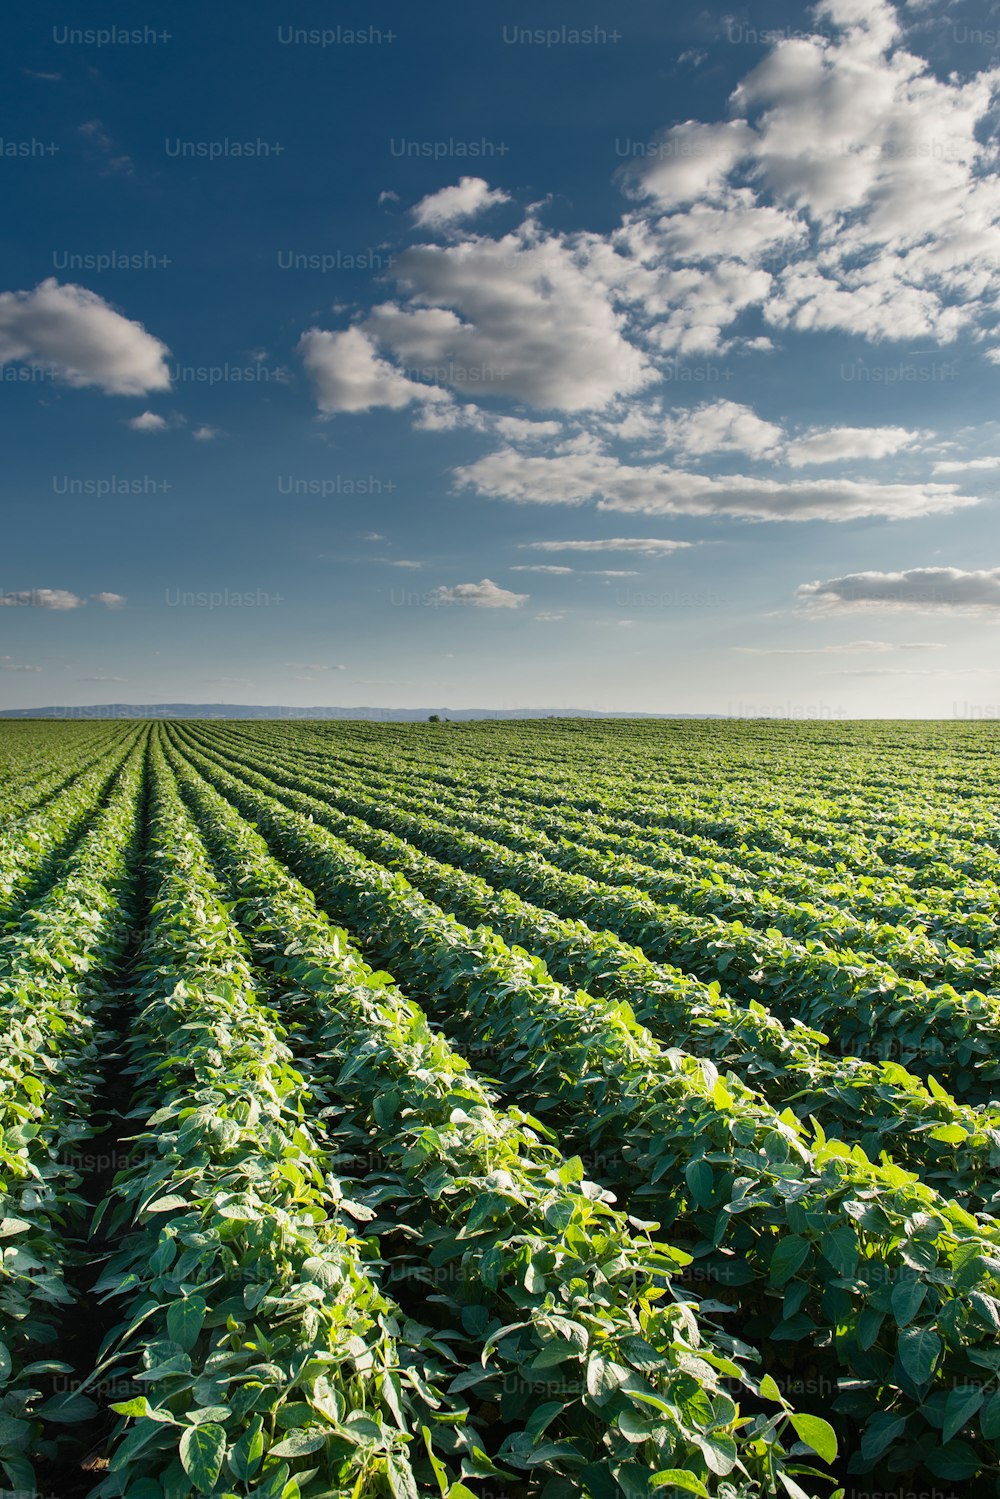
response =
{"points": [[434, 718]]}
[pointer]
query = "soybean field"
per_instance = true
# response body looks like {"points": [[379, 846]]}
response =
{"points": [[515, 1109]]}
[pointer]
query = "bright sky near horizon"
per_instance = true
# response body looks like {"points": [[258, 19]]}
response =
{"points": [[608, 356]]}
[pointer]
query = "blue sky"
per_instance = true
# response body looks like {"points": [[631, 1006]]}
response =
{"points": [[593, 356]]}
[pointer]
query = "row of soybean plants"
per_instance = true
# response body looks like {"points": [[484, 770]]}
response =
{"points": [[696, 874], [720, 772], [891, 1287], [878, 1105], [676, 874], [33, 845], [42, 764], [56, 967], [865, 1007], [964, 913], [882, 898], [577, 1362], [930, 844], [265, 1358]]}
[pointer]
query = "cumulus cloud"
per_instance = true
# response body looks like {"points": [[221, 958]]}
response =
{"points": [[692, 160], [835, 444], [148, 421], [110, 600], [925, 589], [482, 595], [655, 489], [721, 427], [347, 373], [206, 434], [81, 339], [528, 316], [876, 177], [469, 197]]}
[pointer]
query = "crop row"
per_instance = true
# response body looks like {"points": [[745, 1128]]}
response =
{"points": [[32, 847], [894, 1286], [55, 969], [861, 1004], [965, 914], [878, 1105], [921, 840], [603, 1368]]}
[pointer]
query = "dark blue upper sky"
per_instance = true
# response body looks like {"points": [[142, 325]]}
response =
{"points": [[706, 331]]}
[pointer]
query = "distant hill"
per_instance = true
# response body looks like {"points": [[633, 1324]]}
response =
{"points": [[276, 710]]}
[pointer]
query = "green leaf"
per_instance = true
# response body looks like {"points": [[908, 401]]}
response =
{"points": [[603, 1377], [955, 1460], [400, 1476], [770, 1391], [67, 1409], [11, 1226], [817, 1434], [719, 1452], [185, 1319], [678, 1478], [699, 1177], [919, 1350], [202, 1450], [248, 1453], [907, 1297], [788, 1256], [989, 1421], [298, 1444], [962, 1404]]}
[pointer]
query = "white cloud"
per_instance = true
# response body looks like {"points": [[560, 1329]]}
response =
{"points": [[482, 595], [516, 428], [347, 373], [7, 664], [529, 316], [148, 422], [470, 196], [966, 465], [836, 444], [81, 339], [313, 666], [110, 600], [925, 589], [655, 489], [646, 546], [41, 598], [548, 619], [206, 434], [721, 427], [875, 177], [690, 161], [539, 567]]}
